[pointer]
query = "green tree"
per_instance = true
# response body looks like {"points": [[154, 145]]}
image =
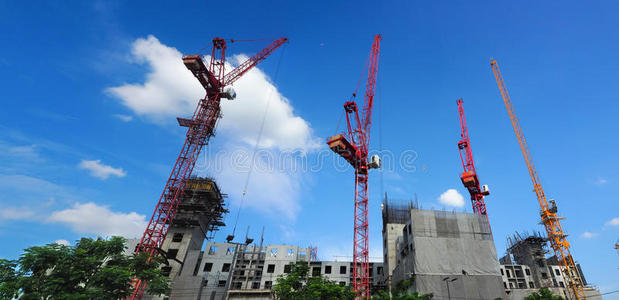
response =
{"points": [[543, 294], [92, 269], [298, 285]]}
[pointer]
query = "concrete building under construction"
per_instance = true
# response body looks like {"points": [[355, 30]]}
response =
{"points": [[447, 254], [395, 216], [526, 268], [199, 215]]}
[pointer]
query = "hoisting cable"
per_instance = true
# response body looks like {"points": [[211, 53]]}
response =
{"points": [[251, 163], [338, 123]]}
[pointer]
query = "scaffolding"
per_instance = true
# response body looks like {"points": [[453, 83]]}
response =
{"points": [[397, 211], [202, 205]]}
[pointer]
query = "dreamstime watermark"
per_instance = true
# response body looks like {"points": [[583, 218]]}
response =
{"points": [[242, 160]]}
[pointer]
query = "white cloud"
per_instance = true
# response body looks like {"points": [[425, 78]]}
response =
{"points": [[451, 197], [613, 222], [90, 218], [272, 189], [13, 213], [21, 153], [170, 90], [589, 235], [124, 118], [62, 242], [601, 181], [99, 170]]}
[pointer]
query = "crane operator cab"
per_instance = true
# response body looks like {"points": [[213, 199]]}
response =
{"points": [[228, 93], [374, 162], [485, 190]]}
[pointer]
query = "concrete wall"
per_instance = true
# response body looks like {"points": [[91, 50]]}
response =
{"points": [[391, 233], [517, 277], [436, 245], [279, 256]]}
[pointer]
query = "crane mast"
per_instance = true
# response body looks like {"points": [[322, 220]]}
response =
{"points": [[469, 176], [200, 128], [354, 149], [548, 212]]}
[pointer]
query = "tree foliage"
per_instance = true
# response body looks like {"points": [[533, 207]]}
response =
{"points": [[543, 294], [298, 285], [92, 269]]}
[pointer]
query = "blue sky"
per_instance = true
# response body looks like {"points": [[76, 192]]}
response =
{"points": [[90, 92]]}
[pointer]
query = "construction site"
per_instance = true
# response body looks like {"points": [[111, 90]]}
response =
{"points": [[388, 150], [448, 254]]}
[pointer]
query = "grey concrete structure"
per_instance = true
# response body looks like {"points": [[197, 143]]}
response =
{"points": [[530, 250], [527, 253], [199, 214], [448, 254], [519, 283], [395, 215], [237, 271], [517, 277]]}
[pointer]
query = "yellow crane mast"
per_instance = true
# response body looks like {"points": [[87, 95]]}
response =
{"points": [[548, 212]]}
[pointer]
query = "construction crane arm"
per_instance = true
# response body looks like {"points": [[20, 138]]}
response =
{"points": [[548, 213], [370, 88], [241, 69]]}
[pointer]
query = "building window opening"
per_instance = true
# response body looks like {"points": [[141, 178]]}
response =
{"points": [[172, 253], [343, 270], [270, 268], [225, 268], [316, 271], [287, 269], [178, 237], [221, 283], [327, 269], [165, 271], [212, 250], [208, 267], [273, 252], [268, 284]]}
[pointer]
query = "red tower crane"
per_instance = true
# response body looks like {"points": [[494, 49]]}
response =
{"points": [[200, 128], [469, 176], [354, 149]]}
